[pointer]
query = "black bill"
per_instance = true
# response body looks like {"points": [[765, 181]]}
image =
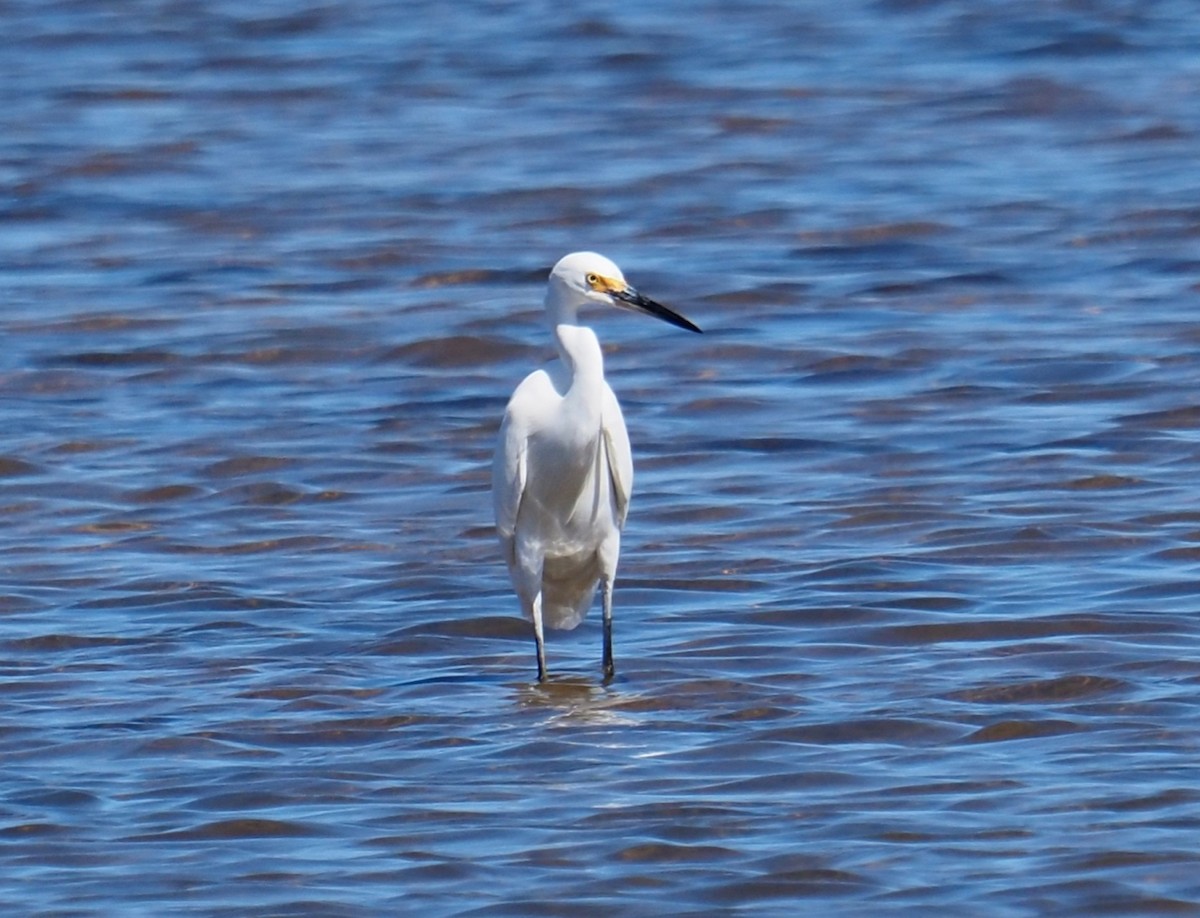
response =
{"points": [[634, 300]]}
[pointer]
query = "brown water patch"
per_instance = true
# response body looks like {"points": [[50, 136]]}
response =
{"points": [[1064, 688], [458, 351], [11, 466], [1007, 730], [230, 829]]}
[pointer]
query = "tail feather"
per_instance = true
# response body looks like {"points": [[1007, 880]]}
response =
{"points": [[567, 593], [564, 605]]}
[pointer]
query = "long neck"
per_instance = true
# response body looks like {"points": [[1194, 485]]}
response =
{"points": [[577, 344], [580, 351]]}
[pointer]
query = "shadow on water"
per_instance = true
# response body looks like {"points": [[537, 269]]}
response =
{"points": [[575, 700]]}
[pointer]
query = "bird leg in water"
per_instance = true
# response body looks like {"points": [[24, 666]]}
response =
{"points": [[539, 636], [541, 481], [609, 669]]}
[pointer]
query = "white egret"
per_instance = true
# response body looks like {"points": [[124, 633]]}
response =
{"points": [[563, 470]]}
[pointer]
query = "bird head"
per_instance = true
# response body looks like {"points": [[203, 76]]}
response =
{"points": [[588, 277]]}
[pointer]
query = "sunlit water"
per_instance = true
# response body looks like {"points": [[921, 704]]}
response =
{"points": [[907, 614]]}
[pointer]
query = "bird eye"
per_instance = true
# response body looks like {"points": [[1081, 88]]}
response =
{"points": [[592, 280]]}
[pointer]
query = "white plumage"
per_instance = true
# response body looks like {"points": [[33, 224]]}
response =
{"points": [[563, 470]]}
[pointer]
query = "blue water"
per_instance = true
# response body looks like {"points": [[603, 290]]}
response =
{"points": [[906, 615]]}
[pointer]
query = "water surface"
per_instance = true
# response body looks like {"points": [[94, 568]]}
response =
{"points": [[907, 610]]}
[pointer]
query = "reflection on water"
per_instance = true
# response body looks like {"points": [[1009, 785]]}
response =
{"points": [[569, 701], [905, 619]]}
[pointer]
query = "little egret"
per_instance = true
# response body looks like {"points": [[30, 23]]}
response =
{"points": [[563, 470]]}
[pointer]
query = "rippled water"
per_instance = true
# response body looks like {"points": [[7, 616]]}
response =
{"points": [[907, 615]]}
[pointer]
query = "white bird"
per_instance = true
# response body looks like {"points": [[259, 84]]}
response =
{"points": [[563, 470]]}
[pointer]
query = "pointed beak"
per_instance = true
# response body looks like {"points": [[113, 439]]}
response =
{"points": [[631, 299]]}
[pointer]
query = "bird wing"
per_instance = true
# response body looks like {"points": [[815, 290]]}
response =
{"points": [[510, 466], [508, 475], [620, 456]]}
